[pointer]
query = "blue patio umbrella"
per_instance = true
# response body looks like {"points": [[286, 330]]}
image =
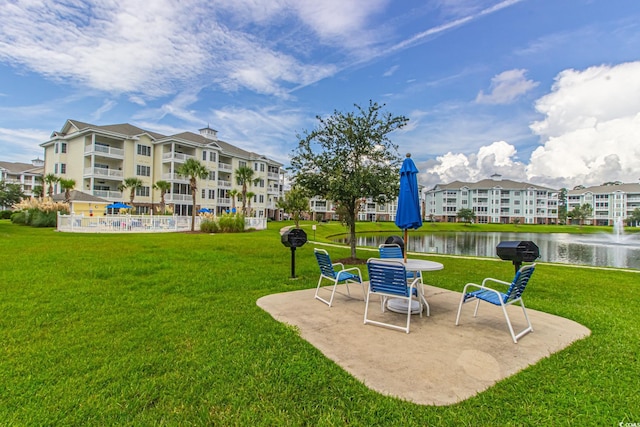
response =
{"points": [[118, 205], [204, 210], [408, 214]]}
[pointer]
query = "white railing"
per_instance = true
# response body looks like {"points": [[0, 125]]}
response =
{"points": [[273, 175], [102, 172], [180, 157], [101, 149], [106, 194], [174, 177], [225, 166], [178, 197], [225, 184], [138, 223]]}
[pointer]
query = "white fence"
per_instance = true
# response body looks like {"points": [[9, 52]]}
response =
{"points": [[138, 223]]}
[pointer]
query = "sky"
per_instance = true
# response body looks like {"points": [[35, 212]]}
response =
{"points": [[542, 91]]}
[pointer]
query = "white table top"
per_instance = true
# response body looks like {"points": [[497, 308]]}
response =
{"points": [[417, 264]]}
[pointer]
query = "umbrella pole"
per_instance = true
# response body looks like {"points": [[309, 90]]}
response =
{"points": [[406, 246]]}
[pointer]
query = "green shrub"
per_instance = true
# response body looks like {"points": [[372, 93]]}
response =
{"points": [[43, 219], [209, 226], [5, 214], [18, 217], [231, 223]]}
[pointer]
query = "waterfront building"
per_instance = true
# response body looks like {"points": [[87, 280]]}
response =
{"points": [[100, 158], [610, 203], [493, 200], [27, 175]]}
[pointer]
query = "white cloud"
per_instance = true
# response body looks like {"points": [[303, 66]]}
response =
{"points": [[106, 106], [591, 128], [22, 145], [506, 87]]}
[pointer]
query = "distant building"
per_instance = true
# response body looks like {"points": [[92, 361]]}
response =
{"points": [[100, 158], [609, 202], [494, 200], [28, 175]]}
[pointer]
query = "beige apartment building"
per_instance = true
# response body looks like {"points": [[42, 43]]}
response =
{"points": [[100, 158], [610, 203]]}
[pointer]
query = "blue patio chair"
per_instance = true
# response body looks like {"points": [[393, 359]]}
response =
{"points": [[503, 299], [336, 273], [389, 279], [393, 250]]}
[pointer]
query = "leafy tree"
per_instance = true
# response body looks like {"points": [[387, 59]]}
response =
{"points": [[562, 205], [67, 185], [295, 203], [195, 170], [132, 184], [164, 187], [466, 215], [349, 157], [581, 213], [50, 179], [10, 194], [244, 177], [635, 216], [38, 191]]}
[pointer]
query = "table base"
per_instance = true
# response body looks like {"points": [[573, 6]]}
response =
{"points": [[398, 305]]}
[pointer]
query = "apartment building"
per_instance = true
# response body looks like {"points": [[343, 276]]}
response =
{"points": [[610, 203], [493, 200], [321, 209], [100, 158], [28, 175]]}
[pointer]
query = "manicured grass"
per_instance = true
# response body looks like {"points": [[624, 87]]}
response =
{"points": [[164, 330]]}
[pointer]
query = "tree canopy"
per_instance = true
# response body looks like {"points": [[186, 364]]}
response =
{"points": [[349, 156], [466, 215], [10, 194], [295, 203], [195, 170]]}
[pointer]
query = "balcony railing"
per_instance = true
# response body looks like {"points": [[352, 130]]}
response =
{"points": [[107, 194], [174, 177], [104, 150], [273, 175], [224, 202], [224, 184], [273, 191], [176, 157], [103, 173], [172, 198], [225, 166]]}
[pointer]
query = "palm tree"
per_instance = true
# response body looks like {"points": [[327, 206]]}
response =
{"points": [[244, 177], [164, 187], [67, 185], [50, 179], [250, 195], [132, 184], [233, 193], [193, 169]]}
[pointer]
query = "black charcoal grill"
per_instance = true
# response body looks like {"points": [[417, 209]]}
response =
{"points": [[518, 252]]}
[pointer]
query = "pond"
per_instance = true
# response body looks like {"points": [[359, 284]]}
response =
{"points": [[602, 250]]}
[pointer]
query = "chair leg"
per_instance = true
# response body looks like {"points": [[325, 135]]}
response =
{"points": [[528, 329], [318, 297], [460, 309]]}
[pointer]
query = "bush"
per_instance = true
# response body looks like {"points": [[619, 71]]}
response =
{"points": [[5, 214], [231, 223], [209, 226], [43, 219], [19, 217]]}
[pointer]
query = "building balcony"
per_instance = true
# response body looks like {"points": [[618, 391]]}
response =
{"points": [[103, 173], [176, 157], [225, 167], [273, 175], [224, 184], [174, 177], [107, 194], [224, 201], [105, 151], [273, 191], [177, 198]]}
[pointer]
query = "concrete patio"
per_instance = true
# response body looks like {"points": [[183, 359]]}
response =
{"points": [[437, 363]]}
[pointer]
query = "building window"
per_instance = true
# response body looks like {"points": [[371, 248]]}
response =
{"points": [[212, 194], [242, 164], [63, 168], [63, 147], [212, 175], [204, 156], [55, 148], [261, 198], [204, 192], [143, 170], [212, 156], [142, 191], [261, 167], [255, 166], [144, 150], [55, 168], [262, 183]]}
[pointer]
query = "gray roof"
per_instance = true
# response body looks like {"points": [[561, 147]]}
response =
{"points": [[17, 168], [79, 196], [607, 189], [505, 184]]}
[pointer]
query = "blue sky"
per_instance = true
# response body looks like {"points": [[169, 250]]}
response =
{"points": [[546, 91]]}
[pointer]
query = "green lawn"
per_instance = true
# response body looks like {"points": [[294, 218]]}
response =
{"points": [[163, 329]]}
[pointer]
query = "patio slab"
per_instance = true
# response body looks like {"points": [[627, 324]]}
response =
{"points": [[437, 363]]}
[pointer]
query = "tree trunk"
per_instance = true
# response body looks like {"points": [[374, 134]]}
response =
{"points": [[352, 233], [193, 209]]}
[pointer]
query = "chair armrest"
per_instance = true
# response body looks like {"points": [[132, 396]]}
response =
{"points": [[490, 279], [354, 269], [335, 264], [480, 287]]}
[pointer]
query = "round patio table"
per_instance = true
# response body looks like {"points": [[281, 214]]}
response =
{"points": [[398, 305]]}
